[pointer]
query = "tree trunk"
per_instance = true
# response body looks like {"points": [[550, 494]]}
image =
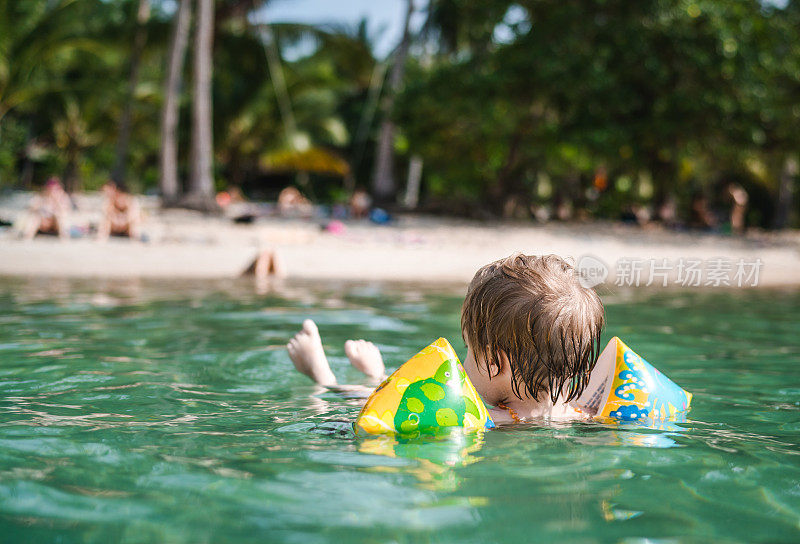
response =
{"points": [[70, 175], [383, 183], [783, 205], [143, 13], [169, 115], [501, 190], [412, 185], [201, 179], [664, 174]]}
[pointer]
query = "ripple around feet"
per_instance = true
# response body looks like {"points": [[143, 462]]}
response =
{"points": [[168, 413]]}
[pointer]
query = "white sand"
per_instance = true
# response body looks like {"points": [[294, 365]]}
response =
{"points": [[188, 245]]}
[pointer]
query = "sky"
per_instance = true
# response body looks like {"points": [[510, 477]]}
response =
{"points": [[384, 17]]}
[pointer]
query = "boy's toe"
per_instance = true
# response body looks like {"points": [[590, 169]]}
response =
{"points": [[309, 327]]}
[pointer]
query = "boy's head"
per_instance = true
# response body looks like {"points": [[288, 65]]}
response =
{"points": [[530, 315]]}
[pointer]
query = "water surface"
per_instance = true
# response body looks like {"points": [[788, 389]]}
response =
{"points": [[170, 412]]}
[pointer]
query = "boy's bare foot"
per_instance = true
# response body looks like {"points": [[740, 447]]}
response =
{"points": [[305, 350], [366, 357]]}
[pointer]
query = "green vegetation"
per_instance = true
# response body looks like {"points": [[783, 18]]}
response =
{"points": [[509, 105]]}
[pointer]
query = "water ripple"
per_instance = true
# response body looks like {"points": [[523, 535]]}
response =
{"points": [[161, 412]]}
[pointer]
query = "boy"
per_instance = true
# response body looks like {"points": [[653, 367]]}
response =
{"points": [[532, 333]]}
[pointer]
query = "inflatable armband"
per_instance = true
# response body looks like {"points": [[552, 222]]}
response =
{"points": [[625, 387], [428, 393]]}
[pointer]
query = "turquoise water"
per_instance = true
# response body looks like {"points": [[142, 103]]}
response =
{"points": [[170, 412]]}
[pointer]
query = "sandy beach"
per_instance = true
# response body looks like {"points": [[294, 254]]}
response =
{"points": [[184, 244]]}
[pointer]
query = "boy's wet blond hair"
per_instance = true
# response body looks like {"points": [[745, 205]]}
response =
{"points": [[534, 309]]}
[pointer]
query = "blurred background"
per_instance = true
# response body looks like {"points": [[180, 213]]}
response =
{"points": [[658, 110]]}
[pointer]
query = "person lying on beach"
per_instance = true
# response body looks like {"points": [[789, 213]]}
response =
{"points": [[121, 213], [532, 333], [235, 206], [48, 212]]}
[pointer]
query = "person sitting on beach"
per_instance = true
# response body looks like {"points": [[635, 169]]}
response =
{"points": [[121, 213], [292, 203], [360, 203], [532, 333], [48, 212]]}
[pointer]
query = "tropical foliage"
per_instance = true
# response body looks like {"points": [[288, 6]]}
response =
{"points": [[510, 106]]}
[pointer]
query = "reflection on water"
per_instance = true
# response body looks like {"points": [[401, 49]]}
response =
{"points": [[650, 434], [433, 458], [647, 433], [169, 412]]}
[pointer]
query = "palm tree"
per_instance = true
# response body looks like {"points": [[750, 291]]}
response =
{"points": [[201, 178], [383, 182], [200, 193], [140, 37], [169, 116], [24, 55]]}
